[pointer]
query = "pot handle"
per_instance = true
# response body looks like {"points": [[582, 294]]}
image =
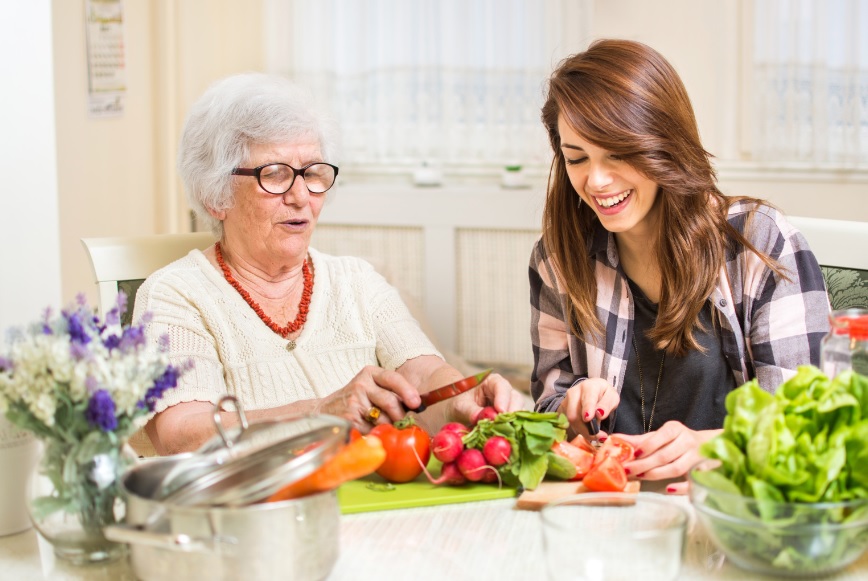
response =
{"points": [[218, 421], [174, 542]]}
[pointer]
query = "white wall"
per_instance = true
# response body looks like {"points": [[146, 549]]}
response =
{"points": [[29, 246]]}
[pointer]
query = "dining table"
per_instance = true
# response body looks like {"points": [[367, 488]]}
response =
{"points": [[488, 539]]}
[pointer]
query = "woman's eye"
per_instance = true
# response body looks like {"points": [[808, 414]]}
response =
{"points": [[615, 157], [575, 161]]}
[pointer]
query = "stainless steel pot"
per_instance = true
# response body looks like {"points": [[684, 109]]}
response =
{"points": [[291, 539]]}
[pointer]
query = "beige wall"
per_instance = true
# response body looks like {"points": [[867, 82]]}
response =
{"points": [[117, 176]]}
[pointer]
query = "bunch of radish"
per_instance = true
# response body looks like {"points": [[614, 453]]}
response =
{"points": [[466, 464]]}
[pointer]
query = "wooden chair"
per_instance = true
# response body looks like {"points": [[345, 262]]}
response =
{"points": [[123, 263], [841, 248]]}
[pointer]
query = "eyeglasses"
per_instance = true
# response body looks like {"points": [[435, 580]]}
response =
{"points": [[277, 178]]}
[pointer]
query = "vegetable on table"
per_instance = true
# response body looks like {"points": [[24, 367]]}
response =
{"points": [[360, 457], [806, 443], [408, 449], [530, 436]]}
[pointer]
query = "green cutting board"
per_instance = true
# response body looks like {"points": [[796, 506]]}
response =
{"points": [[373, 493]]}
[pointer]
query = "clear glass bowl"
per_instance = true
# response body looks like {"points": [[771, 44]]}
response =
{"points": [[781, 539], [597, 536]]}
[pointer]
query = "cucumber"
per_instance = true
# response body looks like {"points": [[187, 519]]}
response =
{"points": [[559, 467]]}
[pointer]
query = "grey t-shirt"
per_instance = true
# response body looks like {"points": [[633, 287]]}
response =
{"points": [[693, 388]]}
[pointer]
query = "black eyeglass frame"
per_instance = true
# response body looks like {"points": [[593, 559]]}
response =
{"points": [[257, 173]]}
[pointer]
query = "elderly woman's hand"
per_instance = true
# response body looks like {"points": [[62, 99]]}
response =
{"points": [[495, 391], [372, 387]]}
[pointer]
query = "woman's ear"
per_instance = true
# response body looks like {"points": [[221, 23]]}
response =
{"points": [[217, 214]]}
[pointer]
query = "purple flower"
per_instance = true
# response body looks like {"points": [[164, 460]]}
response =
{"points": [[133, 338], [168, 380], [100, 411], [77, 330], [112, 342], [78, 351], [5, 364]]}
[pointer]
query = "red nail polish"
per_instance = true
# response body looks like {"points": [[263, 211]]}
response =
{"points": [[637, 453], [602, 438], [587, 415], [670, 489], [600, 412], [626, 471], [640, 475]]}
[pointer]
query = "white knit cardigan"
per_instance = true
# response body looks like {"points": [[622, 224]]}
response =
{"points": [[356, 318]]}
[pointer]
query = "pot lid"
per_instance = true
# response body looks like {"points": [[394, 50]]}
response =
{"points": [[253, 461]]}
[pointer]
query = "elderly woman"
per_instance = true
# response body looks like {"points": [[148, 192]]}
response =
{"points": [[262, 315]]}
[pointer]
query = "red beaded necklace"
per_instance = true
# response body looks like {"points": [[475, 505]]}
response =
{"points": [[303, 306]]}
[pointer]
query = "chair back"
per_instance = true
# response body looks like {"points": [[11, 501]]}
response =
{"points": [[841, 248], [124, 262]]}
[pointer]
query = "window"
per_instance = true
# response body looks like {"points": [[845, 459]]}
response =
{"points": [[452, 82], [810, 76]]}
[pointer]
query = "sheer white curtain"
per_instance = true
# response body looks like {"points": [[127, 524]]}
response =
{"points": [[811, 81], [453, 82]]}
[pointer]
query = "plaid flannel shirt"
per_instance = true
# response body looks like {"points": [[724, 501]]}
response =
{"points": [[769, 326]]}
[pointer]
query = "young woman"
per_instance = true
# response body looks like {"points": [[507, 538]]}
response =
{"points": [[653, 294]]}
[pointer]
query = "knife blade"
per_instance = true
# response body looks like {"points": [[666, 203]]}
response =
{"points": [[451, 390]]}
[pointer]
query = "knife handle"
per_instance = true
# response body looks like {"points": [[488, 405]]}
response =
{"points": [[422, 407]]}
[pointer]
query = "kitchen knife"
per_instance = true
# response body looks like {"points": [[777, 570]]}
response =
{"points": [[451, 390]]}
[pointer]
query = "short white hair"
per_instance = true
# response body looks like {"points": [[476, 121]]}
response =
{"points": [[233, 114]]}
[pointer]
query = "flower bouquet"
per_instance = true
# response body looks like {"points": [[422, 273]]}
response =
{"points": [[82, 386]]}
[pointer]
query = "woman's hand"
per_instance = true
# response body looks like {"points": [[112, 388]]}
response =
{"points": [[494, 391], [667, 453], [591, 398], [371, 387]]}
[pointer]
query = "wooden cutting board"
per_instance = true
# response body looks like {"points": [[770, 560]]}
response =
{"points": [[549, 491]]}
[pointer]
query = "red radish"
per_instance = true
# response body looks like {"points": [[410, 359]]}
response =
{"points": [[486, 413], [497, 450], [459, 429], [447, 445], [471, 463], [449, 474], [490, 475]]}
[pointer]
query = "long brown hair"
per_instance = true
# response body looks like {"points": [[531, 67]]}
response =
{"points": [[623, 96]]}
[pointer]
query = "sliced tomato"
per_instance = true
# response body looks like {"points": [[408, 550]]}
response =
{"points": [[606, 476], [616, 448], [583, 443], [580, 458]]}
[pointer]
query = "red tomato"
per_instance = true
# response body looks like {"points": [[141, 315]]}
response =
{"points": [[617, 448], [402, 463], [606, 476], [580, 458], [583, 443]]}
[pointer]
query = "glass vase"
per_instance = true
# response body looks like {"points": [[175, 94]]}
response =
{"points": [[74, 493]]}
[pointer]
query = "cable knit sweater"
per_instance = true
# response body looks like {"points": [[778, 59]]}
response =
{"points": [[356, 318]]}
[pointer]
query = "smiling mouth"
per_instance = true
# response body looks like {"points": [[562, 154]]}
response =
{"points": [[613, 201]]}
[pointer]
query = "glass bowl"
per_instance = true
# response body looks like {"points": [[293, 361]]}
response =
{"points": [[780, 538], [598, 536]]}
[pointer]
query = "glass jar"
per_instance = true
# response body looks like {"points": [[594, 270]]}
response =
{"points": [[846, 345], [859, 345]]}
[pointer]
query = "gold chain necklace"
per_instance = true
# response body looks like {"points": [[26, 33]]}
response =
{"points": [[647, 428]]}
